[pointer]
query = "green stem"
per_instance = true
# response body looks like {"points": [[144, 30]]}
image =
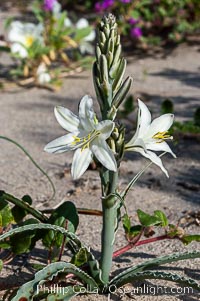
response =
{"points": [[109, 207]]}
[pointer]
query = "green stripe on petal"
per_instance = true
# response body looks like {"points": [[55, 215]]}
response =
{"points": [[86, 113], [61, 144], [81, 161]]}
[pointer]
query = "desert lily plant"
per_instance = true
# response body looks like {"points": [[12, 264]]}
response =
{"points": [[46, 51], [103, 140]]}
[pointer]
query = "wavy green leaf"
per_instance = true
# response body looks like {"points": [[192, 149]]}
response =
{"points": [[154, 263], [156, 275], [92, 262], [66, 294], [33, 287], [33, 227]]}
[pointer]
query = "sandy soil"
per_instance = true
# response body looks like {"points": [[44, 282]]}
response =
{"points": [[27, 116]]}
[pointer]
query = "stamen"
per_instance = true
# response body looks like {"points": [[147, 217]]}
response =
{"points": [[161, 136], [95, 119], [84, 142]]}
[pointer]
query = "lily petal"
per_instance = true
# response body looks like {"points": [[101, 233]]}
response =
{"points": [[104, 154], [143, 122], [105, 127], [80, 163], [68, 120], [61, 144], [144, 118], [153, 157], [160, 124], [163, 146], [137, 143], [86, 113]]}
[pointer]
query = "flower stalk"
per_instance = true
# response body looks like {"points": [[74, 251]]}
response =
{"points": [[111, 89], [109, 208]]}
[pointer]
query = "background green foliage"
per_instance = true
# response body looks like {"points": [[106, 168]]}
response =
{"points": [[159, 20]]}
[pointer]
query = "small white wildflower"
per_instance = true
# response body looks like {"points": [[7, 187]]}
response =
{"points": [[22, 36], [43, 76]]}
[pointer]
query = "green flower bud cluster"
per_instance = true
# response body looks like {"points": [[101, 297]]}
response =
{"points": [[116, 142], [109, 69]]}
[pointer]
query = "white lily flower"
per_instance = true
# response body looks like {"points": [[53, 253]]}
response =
{"points": [[22, 36], [150, 135], [86, 136], [42, 74]]}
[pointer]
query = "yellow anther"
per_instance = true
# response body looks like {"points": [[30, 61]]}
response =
{"points": [[162, 136], [84, 142], [76, 140]]}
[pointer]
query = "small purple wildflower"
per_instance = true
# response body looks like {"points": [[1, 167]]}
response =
{"points": [[107, 3], [98, 7], [125, 1], [136, 32], [133, 21], [48, 4], [101, 6]]}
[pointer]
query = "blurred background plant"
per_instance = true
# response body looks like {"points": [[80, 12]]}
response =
{"points": [[61, 32], [41, 48], [147, 22]]}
